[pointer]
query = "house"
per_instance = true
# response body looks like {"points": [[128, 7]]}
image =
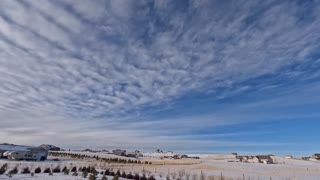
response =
{"points": [[266, 159], [316, 156], [288, 157], [135, 154], [255, 159], [245, 158], [119, 152], [49, 147], [235, 154], [305, 158], [180, 156], [19, 152]]}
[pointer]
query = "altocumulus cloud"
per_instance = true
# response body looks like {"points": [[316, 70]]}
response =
{"points": [[82, 72]]}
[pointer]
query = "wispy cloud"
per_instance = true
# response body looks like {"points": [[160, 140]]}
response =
{"points": [[65, 66]]}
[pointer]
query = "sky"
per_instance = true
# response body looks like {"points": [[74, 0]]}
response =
{"points": [[184, 75]]}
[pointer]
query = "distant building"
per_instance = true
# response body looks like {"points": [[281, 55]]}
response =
{"points": [[288, 157], [256, 159], [119, 152], [235, 154], [49, 147], [18, 152], [135, 154], [306, 158], [316, 156], [266, 159], [180, 156]]}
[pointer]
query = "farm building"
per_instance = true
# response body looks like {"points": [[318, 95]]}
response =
{"points": [[288, 157], [17, 152], [266, 159], [119, 152], [316, 156]]}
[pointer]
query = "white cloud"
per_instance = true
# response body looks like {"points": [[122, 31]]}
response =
{"points": [[63, 65]]}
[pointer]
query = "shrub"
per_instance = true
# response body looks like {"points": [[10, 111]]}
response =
{"points": [[136, 177], [74, 169], [80, 169], [66, 172], [118, 173], [14, 170], [25, 170], [104, 177], [92, 177], [124, 175], [143, 177], [107, 172], [75, 173], [115, 177], [84, 174], [32, 174], [3, 168], [129, 176], [56, 169], [37, 170], [64, 169], [50, 174], [151, 178], [112, 173], [47, 170]]}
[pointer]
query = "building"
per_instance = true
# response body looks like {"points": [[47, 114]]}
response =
{"points": [[316, 156], [266, 159], [180, 156], [119, 152], [305, 158], [288, 157], [18, 152], [234, 153], [49, 147]]}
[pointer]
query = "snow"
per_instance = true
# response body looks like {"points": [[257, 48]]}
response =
{"points": [[210, 165], [55, 176]]}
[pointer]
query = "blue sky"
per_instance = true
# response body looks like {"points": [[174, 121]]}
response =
{"points": [[190, 76]]}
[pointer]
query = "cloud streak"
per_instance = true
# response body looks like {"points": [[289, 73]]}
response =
{"points": [[65, 66]]}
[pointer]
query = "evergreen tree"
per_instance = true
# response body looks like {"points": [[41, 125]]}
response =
{"points": [[3, 168], [74, 169], [104, 177], [47, 170], [124, 175], [37, 170], [25, 170], [56, 169], [92, 177], [116, 177]]}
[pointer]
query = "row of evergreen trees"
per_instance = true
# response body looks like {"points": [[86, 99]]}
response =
{"points": [[108, 160], [88, 171]]}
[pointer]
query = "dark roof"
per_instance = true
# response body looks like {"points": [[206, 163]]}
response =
{"points": [[263, 157]]}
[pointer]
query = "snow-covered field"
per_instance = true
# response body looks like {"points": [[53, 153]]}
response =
{"points": [[210, 166]]}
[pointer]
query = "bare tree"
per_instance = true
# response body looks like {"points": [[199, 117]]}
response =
{"points": [[188, 175], [194, 177], [202, 176], [181, 173], [211, 178], [174, 175]]}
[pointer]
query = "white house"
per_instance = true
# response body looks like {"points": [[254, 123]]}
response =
{"points": [[17, 152]]}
